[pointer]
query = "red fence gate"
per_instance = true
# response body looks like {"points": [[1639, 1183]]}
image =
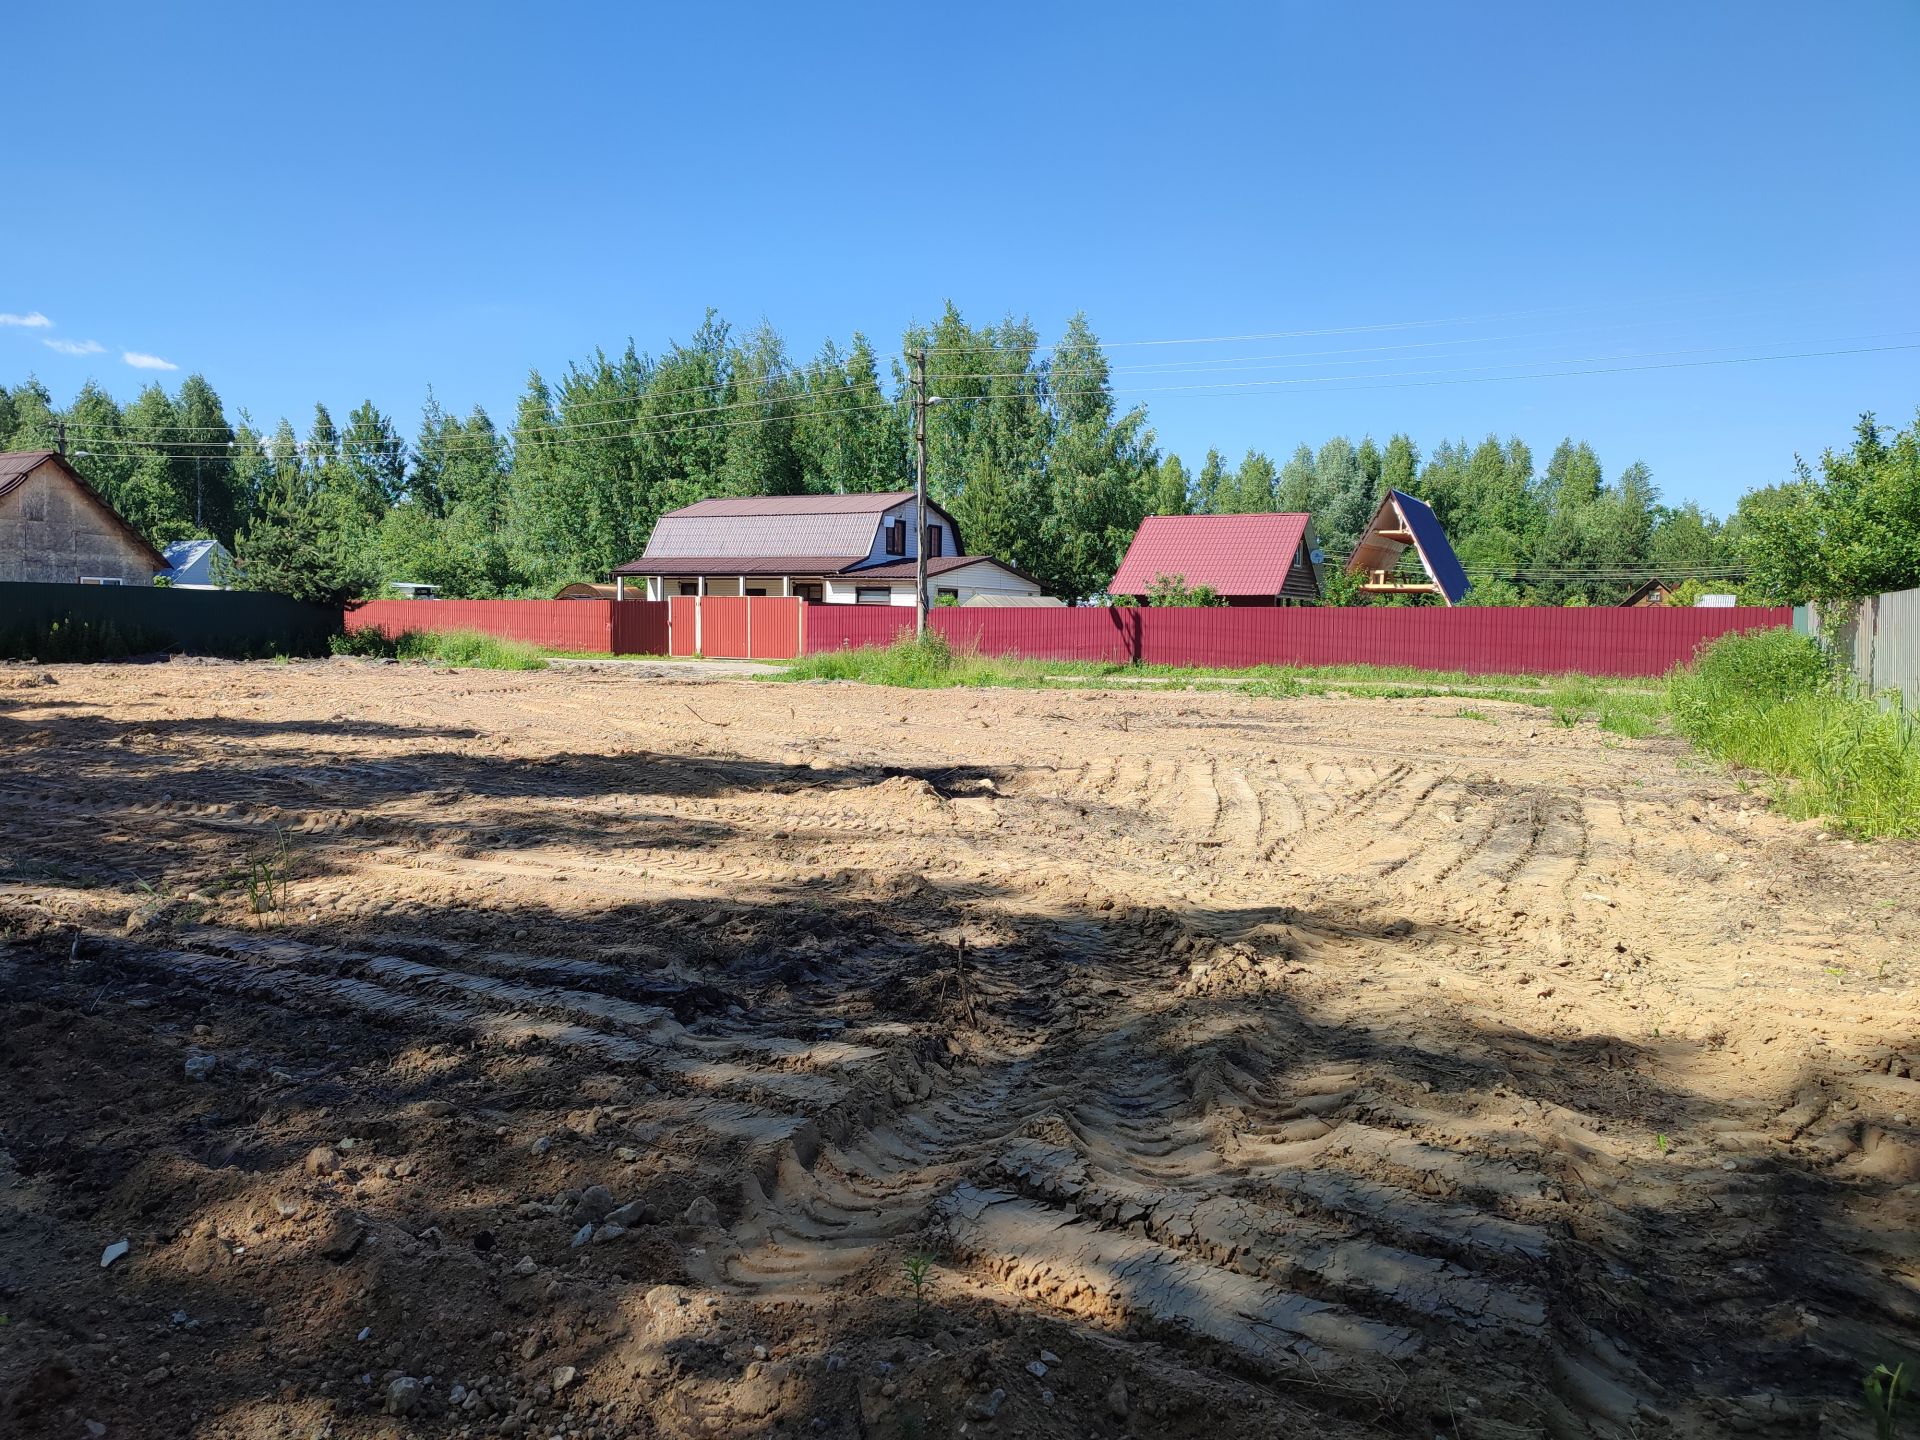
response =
{"points": [[685, 625], [639, 627]]}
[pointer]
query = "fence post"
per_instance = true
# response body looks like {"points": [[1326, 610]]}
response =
{"points": [[749, 600]]}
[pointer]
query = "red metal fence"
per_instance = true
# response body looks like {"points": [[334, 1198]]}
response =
{"points": [[737, 627], [1523, 640], [1485, 641], [1098, 633], [555, 624], [639, 626], [850, 627], [775, 627], [684, 625]]}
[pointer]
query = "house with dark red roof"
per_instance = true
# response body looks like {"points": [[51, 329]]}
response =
{"points": [[1245, 559], [828, 549]]}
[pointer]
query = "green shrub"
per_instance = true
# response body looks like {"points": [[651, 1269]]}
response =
{"points": [[57, 641], [1764, 665], [1772, 701], [469, 649], [370, 643]]}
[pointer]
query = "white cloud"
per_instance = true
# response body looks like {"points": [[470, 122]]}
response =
{"points": [[32, 320], [146, 362], [76, 347]]}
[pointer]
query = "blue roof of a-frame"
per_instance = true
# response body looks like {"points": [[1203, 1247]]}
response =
{"points": [[1436, 554]]}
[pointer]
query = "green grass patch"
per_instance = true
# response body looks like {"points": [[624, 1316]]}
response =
{"points": [[1773, 701], [467, 649], [930, 662]]}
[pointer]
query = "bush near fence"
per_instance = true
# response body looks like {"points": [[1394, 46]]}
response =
{"points": [[104, 622]]}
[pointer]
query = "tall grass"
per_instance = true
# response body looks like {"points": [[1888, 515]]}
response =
{"points": [[1773, 701], [469, 649], [930, 662]]}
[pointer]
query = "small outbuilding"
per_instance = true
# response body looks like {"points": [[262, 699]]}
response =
{"points": [[191, 564], [1401, 523], [587, 590], [1267, 559], [56, 529]]}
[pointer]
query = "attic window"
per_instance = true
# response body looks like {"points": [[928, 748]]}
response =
{"points": [[896, 537], [933, 540]]}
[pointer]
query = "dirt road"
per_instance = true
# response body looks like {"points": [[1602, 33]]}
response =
{"points": [[527, 1054]]}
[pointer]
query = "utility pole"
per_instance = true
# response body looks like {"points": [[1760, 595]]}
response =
{"points": [[920, 490], [61, 436]]}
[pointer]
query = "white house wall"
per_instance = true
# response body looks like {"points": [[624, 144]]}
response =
{"points": [[906, 510]]}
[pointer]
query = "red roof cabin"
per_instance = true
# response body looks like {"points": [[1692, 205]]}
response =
{"points": [[1245, 559]]}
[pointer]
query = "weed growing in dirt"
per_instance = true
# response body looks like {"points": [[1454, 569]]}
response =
{"points": [[267, 875], [1885, 1389], [1634, 714], [1661, 1143], [1772, 701], [918, 1273], [1468, 713], [468, 649], [1286, 688]]}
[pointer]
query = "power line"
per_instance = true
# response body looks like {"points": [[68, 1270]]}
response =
{"points": [[560, 432]]}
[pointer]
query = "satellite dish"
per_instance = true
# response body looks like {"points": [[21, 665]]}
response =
{"points": [[1316, 556]]}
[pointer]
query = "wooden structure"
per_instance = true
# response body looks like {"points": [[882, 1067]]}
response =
{"points": [[1654, 592], [1402, 522]]}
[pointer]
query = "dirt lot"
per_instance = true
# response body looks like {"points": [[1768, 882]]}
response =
{"points": [[1244, 1066]]}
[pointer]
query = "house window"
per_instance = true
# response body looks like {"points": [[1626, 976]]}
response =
{"points": [[897, 537], [933, 540], [873, 595], [101, 580], [944, 596], [689, 587], [809, 591], [760, 591]]}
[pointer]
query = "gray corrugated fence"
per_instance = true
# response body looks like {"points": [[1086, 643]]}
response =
{"points": [[1882, 644], [96, 622]]}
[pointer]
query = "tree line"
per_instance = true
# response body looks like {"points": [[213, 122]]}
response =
{"points": [[1028, 448]]}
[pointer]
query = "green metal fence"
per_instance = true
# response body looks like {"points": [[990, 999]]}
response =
{"points": [[101, 622]]}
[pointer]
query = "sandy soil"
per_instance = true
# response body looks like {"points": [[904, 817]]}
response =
{"points": [[1244, 1067]]}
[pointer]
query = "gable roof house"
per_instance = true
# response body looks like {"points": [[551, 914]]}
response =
{"points": [[56, 529], [1247, 559], [190, 564], [828, 549], [1647, 595], [1400, 523]]}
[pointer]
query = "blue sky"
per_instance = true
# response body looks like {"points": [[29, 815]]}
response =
{"points": [[1421, 205]]}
